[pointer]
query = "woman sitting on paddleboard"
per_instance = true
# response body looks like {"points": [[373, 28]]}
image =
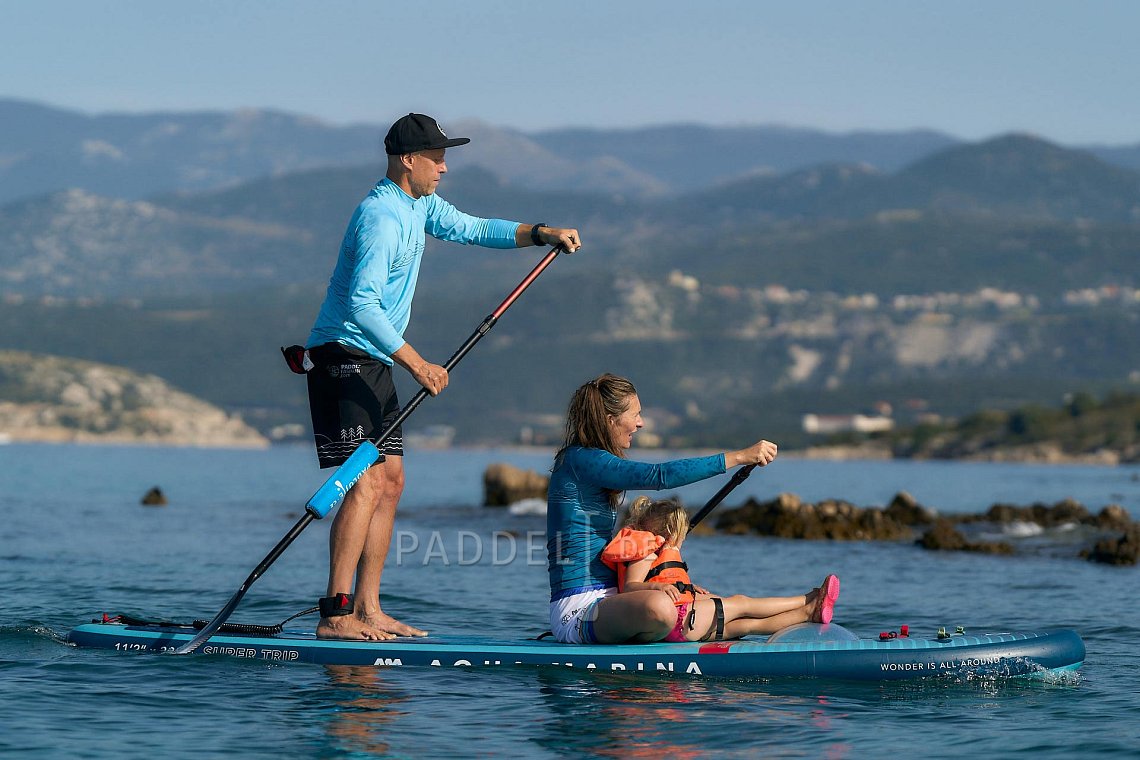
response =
{"points": [[646, 554], [589, 475]]}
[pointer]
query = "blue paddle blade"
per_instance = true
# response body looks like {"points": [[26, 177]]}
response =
{"points": [[333, 491]]}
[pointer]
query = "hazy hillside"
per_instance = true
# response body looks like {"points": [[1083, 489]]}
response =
{"points": [[1026, 176], [989, 275], [1012, 176], [47, 149], [688, 156], [73, 243], [1013, 212]]}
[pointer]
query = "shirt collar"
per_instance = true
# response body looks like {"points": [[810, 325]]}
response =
{"points": [[388, 186]]}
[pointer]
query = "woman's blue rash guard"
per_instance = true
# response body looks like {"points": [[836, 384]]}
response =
{"points": [[579, 518], [369, 299]]}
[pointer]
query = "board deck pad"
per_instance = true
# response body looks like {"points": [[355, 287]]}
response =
{"points": [[808, 650]]}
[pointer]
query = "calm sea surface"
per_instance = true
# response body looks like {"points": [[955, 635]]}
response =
{"points": [[75, 542]]}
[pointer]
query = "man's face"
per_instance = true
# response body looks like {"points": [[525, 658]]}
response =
{"points": [[426, 169]]}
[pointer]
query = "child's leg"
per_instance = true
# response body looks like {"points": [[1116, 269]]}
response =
{"points": [[749, 626], [741, 606], [746, 615]]}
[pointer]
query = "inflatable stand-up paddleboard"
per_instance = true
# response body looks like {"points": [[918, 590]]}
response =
{"points": [[807, 650]]}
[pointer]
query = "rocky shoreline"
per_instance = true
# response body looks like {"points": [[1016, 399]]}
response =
{"points": [[1110, 536], [55, 399], [1047, 452]]}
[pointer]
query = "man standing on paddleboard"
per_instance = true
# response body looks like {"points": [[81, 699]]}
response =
{"points": [[358, 336]]}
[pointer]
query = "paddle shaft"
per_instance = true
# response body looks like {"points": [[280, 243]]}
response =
{"points": [[475, 337], [410, 407], [738, 477], [327, 497]]}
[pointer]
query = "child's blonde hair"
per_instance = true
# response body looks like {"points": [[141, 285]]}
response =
{"points": [[665, 517]]}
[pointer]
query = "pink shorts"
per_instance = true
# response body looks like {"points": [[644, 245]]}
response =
{"points": [[678, 632]]}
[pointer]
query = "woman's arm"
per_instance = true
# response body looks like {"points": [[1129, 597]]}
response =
{"points": [[605, 470]]}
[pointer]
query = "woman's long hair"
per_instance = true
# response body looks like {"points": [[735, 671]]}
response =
{"points": [[587, 418], [591, 406]]}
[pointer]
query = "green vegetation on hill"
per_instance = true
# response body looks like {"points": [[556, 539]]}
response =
{"points": [[1083, 426]]}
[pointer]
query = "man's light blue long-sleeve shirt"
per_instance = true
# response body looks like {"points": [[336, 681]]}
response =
{"points": [[368, 303]]}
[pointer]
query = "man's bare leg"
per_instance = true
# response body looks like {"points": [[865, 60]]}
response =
{"points": [[371, 565], [347, 538]]}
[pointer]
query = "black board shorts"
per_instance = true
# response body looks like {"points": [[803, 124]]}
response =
{"points": [[352, 398]]}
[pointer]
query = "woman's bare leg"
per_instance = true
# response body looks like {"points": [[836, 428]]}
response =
{"points": [[636, 617]]}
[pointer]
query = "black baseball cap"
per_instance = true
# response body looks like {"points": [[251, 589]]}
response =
{"points": [[416, 132]]}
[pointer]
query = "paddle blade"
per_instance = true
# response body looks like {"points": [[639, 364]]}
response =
{"points": [[211, 627], [322, 502], [333, 491]]}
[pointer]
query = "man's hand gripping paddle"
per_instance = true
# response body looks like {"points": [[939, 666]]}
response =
{"points": [[332, 493]]}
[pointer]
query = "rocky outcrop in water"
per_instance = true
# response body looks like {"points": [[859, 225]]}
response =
{"points": [[505, 484], [154, 498], [787, 516], [943, 536], [904, 518], [1124, 550]]}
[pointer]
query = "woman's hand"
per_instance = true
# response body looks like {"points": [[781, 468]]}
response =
{"points": [[761, 454]]}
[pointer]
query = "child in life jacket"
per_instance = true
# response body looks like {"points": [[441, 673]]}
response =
{"points": [[646, 554]]}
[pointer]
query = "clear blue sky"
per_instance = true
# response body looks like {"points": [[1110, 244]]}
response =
{"points": [[1067, 71]]}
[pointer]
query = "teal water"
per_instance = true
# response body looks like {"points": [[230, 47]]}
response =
{"points": [[75, 543]]}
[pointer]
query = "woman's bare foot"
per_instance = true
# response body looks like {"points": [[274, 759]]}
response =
{"points": [[384, 622], [350, 627]]}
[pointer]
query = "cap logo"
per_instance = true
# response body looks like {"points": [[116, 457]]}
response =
{"points": [[441, 130]]}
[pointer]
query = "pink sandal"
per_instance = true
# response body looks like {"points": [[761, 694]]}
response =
{"points": [[828, 594]]}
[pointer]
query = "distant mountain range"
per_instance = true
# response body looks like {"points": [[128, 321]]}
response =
{"points": [[774, 274], [1013, 211], [45, 149]]}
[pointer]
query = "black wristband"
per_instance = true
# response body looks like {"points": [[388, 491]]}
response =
{"points": [[534, 238]]}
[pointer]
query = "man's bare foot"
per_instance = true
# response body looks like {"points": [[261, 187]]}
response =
{"points": [[384, 622], [350, 627]]}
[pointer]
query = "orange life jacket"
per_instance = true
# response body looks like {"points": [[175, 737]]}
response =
{"points": [[632, 545]]}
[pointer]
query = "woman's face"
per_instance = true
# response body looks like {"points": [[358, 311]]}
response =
{"points": [[624, 425]]}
